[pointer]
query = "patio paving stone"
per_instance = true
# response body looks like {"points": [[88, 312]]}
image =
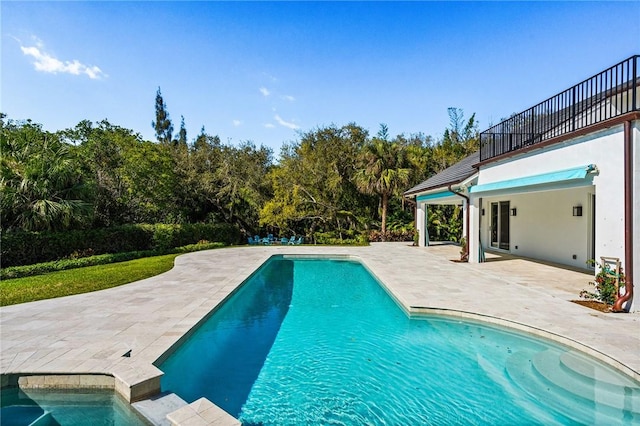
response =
{"points": [[89, 333]]}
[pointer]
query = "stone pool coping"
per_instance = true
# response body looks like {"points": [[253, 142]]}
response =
{"points": [[89, 334]]}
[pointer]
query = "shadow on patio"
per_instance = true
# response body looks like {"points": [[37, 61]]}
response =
{"points": [[557, 279]]}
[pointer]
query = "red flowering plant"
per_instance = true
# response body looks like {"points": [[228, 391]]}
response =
{"points": [[606, 290]]}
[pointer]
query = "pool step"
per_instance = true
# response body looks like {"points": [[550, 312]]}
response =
{"points": [[579, 365], [520, 370], [155, 409], [588, 381], [546, 378]]}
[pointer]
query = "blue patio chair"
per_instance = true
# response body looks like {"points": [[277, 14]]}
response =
{"points": [[251, 241], [284, 240]]}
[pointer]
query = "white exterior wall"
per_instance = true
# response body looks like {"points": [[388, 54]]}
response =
{"points": [[605, 149], [544, 226], [421, 221], [474, 227]]}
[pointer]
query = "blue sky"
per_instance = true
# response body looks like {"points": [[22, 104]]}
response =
{"points": [[264, 71]]}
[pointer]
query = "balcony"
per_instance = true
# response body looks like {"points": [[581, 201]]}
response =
{"points": [[607, 95]]}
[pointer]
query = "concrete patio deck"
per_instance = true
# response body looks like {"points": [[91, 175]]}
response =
{"points": [[78, 338]]}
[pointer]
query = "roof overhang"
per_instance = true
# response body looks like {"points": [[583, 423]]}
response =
{"points": [[443, 186], [453, 175], [441, 196]]}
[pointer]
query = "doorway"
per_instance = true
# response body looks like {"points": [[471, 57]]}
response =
{"points": [[500, 225]]}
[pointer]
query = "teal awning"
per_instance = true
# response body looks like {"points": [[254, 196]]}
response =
{"points": [[574, 174], [434, 196]]}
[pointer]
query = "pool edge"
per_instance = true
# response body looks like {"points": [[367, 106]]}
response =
{"points": [[417, 311]]}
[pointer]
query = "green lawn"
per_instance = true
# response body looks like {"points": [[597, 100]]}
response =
{"points": [[81, 280]]}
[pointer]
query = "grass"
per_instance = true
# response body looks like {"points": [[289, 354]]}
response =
{"points": [[82, 280]]}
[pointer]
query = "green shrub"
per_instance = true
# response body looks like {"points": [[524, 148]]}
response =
{"points": [[605, 285], [391, 236], [363, 239], [350, 238], [27, 248], [102, 259], [164, 235]]}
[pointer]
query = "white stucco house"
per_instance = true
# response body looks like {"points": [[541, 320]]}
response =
{"points": [[559, 182]]}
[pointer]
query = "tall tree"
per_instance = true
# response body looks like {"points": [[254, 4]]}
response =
{"points": [[196, 169], [42, 187], [459, 140], [419, 151], [383, 132], [242, 186], [313, 183], [99, 150], [149, 176], [383, 170], [162, 125], [182, 133]]}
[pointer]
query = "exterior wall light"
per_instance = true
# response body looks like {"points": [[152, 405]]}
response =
{"points": [[513, 211], [577, 210]]}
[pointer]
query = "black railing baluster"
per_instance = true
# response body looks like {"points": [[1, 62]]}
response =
{"points": [[634, 104], [609, 84], [573, 108], [532, 119], [614, 80], [600, 91]]}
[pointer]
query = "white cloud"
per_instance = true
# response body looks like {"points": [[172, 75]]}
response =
{"points": [[285, 123], [237, 123], [270, 77], [269, 126], [45, 62], [288, 98], [265, 92]]}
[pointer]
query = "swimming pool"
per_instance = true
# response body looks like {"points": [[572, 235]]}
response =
{"points": [[319, 341], [40, 407]]}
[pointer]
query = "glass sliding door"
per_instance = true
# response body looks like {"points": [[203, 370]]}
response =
{"points": [[494, 224], [504, 225], [500, 225]]}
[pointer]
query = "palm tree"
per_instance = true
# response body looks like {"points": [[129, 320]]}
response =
{"points": [[41, 188], [382, 171]]}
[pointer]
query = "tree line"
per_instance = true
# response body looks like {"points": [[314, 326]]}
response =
{"points": [[334, 180]]}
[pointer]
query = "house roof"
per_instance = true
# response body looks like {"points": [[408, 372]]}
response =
{"points": [[457, 173]]}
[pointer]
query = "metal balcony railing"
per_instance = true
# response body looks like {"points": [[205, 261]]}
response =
{"points": [[604, 96]]}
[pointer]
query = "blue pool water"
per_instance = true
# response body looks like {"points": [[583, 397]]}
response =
{"points": [[60, 408], [321, 342]]}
